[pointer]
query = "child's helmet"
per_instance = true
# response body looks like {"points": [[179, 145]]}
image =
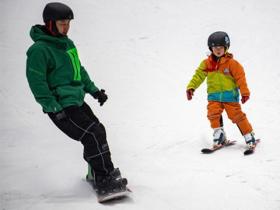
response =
{"points": [[218, 38], [57, 11]]}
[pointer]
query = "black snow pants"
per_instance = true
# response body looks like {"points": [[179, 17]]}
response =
{"points": [[82, 125]]}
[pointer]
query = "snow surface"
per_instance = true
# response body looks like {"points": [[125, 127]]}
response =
{"points": [[144, 53]]}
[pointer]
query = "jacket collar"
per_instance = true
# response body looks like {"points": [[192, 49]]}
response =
{"points": [[214, 62]]}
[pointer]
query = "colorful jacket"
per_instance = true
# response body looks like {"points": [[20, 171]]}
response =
{"points": [[225, 78], [54, 73]]}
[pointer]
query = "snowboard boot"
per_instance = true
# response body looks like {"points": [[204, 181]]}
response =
{"points": [[106, 184], [250, 140], [110, 184], [219, 137], [91, 178]]}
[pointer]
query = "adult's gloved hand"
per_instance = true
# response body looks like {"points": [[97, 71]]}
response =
{"points": [[244, 99], [100, 96], [189, 93]]}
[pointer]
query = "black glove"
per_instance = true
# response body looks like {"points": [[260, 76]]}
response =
{"points": [[101, 96], [60, 115]]}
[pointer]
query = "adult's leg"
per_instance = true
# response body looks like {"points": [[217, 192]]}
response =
{"points": [[100, 134], [79, 126]]}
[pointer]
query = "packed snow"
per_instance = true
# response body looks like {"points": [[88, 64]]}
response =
{"points": [[143, 53]]}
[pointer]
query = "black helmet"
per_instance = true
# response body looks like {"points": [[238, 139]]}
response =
{"points": [[57, 11], [218, 38]]}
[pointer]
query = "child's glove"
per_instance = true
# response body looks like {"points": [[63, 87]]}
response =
{"points": [[244, 99], [101, 96], [189, 93]]}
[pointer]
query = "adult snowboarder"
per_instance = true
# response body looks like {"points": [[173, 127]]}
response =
{"points": [[59, 83]]}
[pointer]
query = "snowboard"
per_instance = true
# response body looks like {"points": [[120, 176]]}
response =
{"points": [[113, 196]]}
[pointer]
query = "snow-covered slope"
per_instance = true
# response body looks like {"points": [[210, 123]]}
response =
{"points": [[144, 53]]}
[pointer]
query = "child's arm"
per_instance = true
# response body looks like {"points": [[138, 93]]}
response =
{"points": [[198, 77], [238, 74]]}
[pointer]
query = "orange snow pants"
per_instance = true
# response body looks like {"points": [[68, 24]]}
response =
{"points": [[234, 112]]}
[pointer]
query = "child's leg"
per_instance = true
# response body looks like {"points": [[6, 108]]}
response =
{"points": [[234, 112], [215, 110]]}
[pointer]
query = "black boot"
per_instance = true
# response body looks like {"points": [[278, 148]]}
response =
{"points": [[112, 183]]}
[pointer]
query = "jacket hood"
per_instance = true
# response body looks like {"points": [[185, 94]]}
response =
{"points": [[40, 33]]}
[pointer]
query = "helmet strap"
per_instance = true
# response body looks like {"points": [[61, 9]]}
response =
{"points": [[50, 25]]}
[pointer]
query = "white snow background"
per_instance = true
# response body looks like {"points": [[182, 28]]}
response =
{"points": [[143, 53]]}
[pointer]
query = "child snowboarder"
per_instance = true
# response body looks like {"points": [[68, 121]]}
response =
{"points": [[59, 84], [225, 78]]}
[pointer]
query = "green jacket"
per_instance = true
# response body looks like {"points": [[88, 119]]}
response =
{"points": [[54, 73]]}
